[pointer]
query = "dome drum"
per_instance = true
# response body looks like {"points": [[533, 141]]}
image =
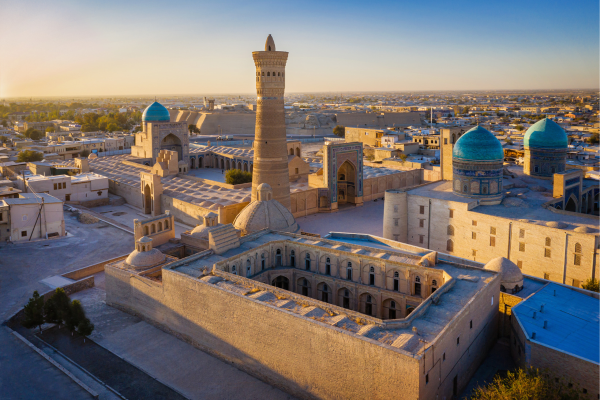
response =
{"points": [[546, 145], [156, 112]]}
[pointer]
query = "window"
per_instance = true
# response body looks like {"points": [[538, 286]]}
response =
{"points": [[346, 299], [577, 260], [426, 379], [23, 233], [417, 286], [451, 213], [471, 324], [307, 262], [369, 305], [521, 233], [450, 245], [450, 230], [349, 271], [548, 242], [546, 276], [55, 187], [278, 258], [547, 253], [421, 239], [396, 221], [328, 266], [296, 171], [473, 235], [520, 264], [492, 241], [325, 293], [372, 276], [521, 246], [474, 252], [293, 258], [577, 248], [421, 209], [262, 261], [233, 271], [444, 356], [64, 185], [248, 268], [395, 208], [474, 223], [305, 287], [421, 223], [67, 197], [492, 230], [458, 340]]}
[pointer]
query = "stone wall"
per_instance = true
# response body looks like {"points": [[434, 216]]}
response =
{"points": [[131, 194]]}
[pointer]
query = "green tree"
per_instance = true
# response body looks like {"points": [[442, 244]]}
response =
{"points": [[57, 309], [593, 139], [29, 156], [85, 328], [112, 127], [36, 135], [50, 129], [137, 129], [4, 123], [3, 139], [84, 153], [592, 284], [34, 312], [530, 384], [339, 131], [193, 129], [236, 177], [76, 315], [403, 157], [520, 127]]}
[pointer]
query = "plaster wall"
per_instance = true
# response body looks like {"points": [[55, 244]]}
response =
{"points": [[23, 219]]}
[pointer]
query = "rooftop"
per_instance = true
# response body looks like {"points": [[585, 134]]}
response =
{"points": [[573, 320], [29, 198]]}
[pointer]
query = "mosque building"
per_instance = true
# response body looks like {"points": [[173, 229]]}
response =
{"points": [[542, 217]]}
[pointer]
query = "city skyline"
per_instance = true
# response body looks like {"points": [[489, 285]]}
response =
{"points": [[147, 49]]}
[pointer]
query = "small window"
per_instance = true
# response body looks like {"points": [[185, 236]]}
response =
{"points": [[577, 260], [458, 340], [577, 248], [421, 239], [421, 223], [55, 187], [421, 209], [546, 276], [548, 242], [492, 230], [64, 185], [521, 246], [473, 235], [426, 379], [450, 230], [474, 223], [396, 221], [395, 208], [451, 213], [471, 324], [474, 252], [444, 356], [23, 233], [492, 241], [547, 253], [521, 233], [520, 264]]}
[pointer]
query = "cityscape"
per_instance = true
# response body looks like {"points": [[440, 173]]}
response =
{"points": [[339, 223]]}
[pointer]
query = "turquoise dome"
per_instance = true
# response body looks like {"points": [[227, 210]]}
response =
{"points": [[478, 144], [546, 134], [156, 112]]}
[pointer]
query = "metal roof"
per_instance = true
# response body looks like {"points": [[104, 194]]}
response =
{"points": [[572, 321]]}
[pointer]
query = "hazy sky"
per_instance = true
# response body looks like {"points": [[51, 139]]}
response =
{"points": [[119, 47]]}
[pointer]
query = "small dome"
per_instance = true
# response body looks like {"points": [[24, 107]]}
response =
{"points": [[478, 144], [584, 229], [156, 112], [261, 214], [141, 259], [510, 274], [556, 224], [546, 134]]}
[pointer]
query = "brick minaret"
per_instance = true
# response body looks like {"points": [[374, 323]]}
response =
{"points": [[270, 149]]}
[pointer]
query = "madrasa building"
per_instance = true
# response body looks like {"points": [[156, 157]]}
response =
{"points": [[159, 174], [542, 216]]}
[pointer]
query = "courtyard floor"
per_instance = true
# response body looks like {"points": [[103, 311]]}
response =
{"points": [[213, 174], [365, 219]]}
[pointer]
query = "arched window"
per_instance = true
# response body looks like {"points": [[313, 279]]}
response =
{"points": [[281, 282], [465, 188], [349, 271], [268, 74], [346, 299], [248, 268], [450, 230], [307, 262], [325, 291], [278, 258], [305, 287], [263, 74], [396, 281], [146, 232], [369, 305], [417, 286], [577, 258], [279, 74], [328, 266], [293, 258], [262, 261], [577, 248], [233, 270], [167, 224], [392, 310], [433, 286], [484, 190], [449, 245], [153, 230], [273, 73], [372, 276]]}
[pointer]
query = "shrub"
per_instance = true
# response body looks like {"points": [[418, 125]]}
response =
{"points": [[236, 177], [34, 312], [592, 284], [29, 155], [339, 131]]}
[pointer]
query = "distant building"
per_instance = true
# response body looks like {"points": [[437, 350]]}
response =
{"points": [[31, 216]]}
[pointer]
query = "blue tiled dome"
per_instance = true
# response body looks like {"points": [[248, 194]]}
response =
{"points": [[156, 112], [478, 144], [546, 134]]}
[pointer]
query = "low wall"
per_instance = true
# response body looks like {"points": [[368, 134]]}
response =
{"points": [[131, 194], [91, 269]]}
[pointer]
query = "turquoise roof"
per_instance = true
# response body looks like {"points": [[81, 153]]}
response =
{"points": [[546, 134], [156, 112], [478, 144]]}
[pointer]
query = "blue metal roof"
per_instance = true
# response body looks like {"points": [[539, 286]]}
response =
{"points": [[573, 320], [546, 134], [478, 144], [156, 112]]}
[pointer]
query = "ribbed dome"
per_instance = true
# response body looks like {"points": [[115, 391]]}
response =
{"points": [[156, 112], [261, 214], [510, 274], [478, 144], [546, 134]]}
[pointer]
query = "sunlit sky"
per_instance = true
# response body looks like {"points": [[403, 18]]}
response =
{"points": [[120, 47]]}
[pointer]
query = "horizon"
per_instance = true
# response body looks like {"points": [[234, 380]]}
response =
{"points": [[113, 50]]}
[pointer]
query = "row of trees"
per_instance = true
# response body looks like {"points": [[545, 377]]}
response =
{"points": [[57, 310], [237, 176], [114, 121]]}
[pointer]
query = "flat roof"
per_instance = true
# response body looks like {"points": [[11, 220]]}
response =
{"points": [[573, 320], [30, 198]]}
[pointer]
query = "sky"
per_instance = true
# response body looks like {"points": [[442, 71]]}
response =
{"points": [[120, 47]]}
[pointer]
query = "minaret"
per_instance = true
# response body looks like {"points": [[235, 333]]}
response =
{"points": [[270, 148]]}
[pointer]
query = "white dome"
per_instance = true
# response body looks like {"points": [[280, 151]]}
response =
{"points": [[142, 259], [510, 274], [261, 214]]}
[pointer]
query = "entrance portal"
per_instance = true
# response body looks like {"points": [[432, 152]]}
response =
{"points": [[346, 181], [172, 142]]}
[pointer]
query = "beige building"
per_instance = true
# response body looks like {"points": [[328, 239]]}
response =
{"points": [[30, 217], [87, 189], [368, 137]]}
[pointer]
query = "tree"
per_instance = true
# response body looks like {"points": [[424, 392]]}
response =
{"points": [[57, 309], [530, 383], [339, 131], [508, 141], [193, 129], [112, 127], [85, 328], [592, 284], [520, 127], [36, 135], [76, 315], [34, 312], [84, 153], [236, 177], [50, 129], [29, 156], [403, 157], [593, 139]]}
